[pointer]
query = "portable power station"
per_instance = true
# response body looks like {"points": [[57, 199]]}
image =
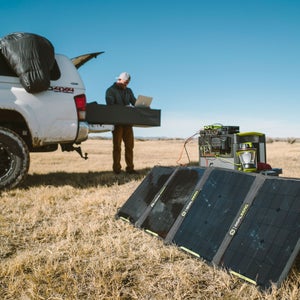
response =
{"points": [[227, 147]]}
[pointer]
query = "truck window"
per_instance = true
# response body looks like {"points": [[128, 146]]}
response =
{"points": [[55, 72], [6, 70]]}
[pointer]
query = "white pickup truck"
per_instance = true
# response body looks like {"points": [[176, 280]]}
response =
{"points": [[39, 122]]}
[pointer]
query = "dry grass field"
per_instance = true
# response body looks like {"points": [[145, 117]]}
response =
{"points": [[59, 238]]}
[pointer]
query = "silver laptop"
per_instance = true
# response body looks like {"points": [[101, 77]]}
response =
{"points": [[143, 101]]}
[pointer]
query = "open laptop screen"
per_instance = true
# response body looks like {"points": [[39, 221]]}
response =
{"points": [[143, 101]]}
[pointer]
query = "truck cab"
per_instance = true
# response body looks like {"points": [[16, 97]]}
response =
{"points": [[50, 117]]}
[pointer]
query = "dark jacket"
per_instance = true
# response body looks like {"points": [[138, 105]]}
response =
{"points": [[119, 96]]}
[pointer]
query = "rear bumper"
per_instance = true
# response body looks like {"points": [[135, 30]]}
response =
{"points": [[83, 131], [99, 128]]}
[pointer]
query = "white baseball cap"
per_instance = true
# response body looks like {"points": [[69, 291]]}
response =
{"points": [[124, 76]]}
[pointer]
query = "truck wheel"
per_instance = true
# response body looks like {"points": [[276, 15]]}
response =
{"points": [[14, 159]]}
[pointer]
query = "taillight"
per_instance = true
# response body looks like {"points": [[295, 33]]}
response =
{"points": [[80, 102]]}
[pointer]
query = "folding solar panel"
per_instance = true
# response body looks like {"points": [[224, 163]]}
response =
{"points": [[203, 228], [138, 202], [268, 240], [248, 223], [164, 212]]}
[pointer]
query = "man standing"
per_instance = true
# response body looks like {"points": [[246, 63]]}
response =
{"points": [[120, 94]]}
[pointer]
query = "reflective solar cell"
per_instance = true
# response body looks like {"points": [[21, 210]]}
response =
{"points": [[213, 211], [268, 240], [170, 203], [138, 202]]}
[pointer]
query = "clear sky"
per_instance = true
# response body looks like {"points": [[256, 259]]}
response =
{"points": [[234, 62]]}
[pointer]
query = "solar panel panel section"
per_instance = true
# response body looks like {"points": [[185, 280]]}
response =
{"points": [[171, 202], [138, 202], [268, 240], [207, 222]]}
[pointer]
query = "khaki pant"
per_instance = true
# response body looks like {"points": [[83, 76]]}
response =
{"points": [[125, 133]]}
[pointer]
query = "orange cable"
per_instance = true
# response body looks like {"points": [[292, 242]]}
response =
{"points": [[183, 147]]}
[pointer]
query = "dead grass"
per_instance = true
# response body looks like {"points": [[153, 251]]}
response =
{"points": [[59, 238]]}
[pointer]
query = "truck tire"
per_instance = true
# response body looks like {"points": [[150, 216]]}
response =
{"points": [[14, 159]]}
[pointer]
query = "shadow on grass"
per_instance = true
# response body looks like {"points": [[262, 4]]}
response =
{"points": [[82, 180]]}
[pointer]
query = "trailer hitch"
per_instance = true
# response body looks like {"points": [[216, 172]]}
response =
{"points": [[70, 147]]}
